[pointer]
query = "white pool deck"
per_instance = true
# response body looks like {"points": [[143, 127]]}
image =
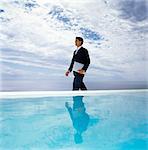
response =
{"points": [[35, 94]]}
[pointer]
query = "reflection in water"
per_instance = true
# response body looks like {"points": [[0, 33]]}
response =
{"points": [[79, 117]]}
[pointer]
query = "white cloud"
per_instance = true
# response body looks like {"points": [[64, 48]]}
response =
{"points": [[120, 52]]}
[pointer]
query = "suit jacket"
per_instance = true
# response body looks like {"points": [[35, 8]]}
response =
{"points": [[82, 57]]}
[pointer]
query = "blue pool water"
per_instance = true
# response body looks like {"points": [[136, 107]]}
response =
{"points": [[99, 122]]}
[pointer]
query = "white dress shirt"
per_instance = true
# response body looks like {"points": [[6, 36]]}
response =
{"points": [[77, 49]]}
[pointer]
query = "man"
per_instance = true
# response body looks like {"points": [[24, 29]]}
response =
{"points": [[79, 65]]}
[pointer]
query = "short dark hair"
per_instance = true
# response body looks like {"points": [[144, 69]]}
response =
{"points": [[80, 39]]}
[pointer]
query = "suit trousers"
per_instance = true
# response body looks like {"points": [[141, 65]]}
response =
{"points": [[78, 81]]}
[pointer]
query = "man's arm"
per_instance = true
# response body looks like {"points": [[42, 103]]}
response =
{"points": [[87, 61], [72, 63], [69, 110], [71, 66]]}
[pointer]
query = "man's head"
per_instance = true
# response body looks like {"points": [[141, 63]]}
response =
{"points": [[78, 138], [78, 41]]}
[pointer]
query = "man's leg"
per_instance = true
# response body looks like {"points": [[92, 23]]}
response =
{"points": [[77, 81], [83, 87]]}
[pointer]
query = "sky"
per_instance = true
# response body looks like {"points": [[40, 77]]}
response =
{"points": [[37, 42]]}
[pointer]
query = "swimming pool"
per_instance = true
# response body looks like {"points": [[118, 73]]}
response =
{"points": [[102, 121]]}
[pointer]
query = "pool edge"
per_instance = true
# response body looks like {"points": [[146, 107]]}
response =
{"points": [[35, 94]]}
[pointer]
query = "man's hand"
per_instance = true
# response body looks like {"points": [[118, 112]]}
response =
{"points": [[67, 73], [66, 105], [81, 71]]}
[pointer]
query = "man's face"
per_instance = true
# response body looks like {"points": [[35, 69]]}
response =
{"points": [[78, 43]]}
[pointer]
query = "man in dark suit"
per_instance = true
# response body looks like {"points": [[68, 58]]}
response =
{"points": [[79, 65]]}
